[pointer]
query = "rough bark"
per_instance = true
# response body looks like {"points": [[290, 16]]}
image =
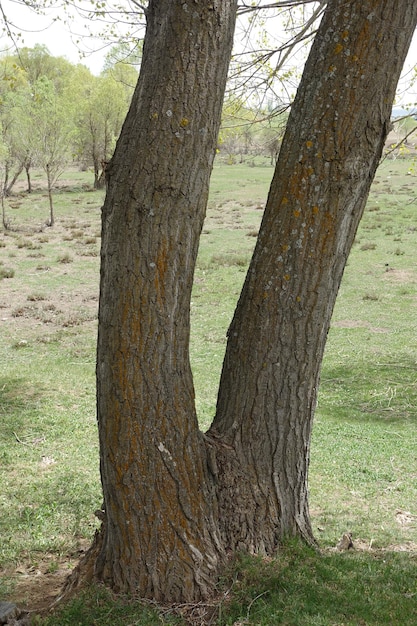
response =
{"points": [[159, 538], [175, 501], [268, 389]]}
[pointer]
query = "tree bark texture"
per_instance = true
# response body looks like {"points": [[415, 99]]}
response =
{"points": [[175, 501], [333, 142], [159, 538]]}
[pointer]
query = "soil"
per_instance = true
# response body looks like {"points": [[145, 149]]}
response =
{"points": [[37, 586]]}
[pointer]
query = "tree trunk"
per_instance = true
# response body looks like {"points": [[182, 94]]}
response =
{"points": [[8, 186], [159, 538], [3, 213], [29, 181], [268, 389], [175, 501], [51, 220]]}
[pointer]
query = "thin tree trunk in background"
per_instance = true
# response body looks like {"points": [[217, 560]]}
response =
{"points": [[268, 389], [27, 166], [8, 186], [51, 220], [3, 213]]}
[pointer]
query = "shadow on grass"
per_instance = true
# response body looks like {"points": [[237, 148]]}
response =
{"points": [[376, 391], [19, 398], [304, 588]]}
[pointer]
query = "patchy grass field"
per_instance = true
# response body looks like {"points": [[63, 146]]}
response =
{"points": [[364, 453]]}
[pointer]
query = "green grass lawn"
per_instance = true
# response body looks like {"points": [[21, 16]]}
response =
{"points": [[364, 453]]}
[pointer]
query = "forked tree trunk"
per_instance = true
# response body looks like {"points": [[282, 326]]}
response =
{"points": [[267, 396], [176, 502]]}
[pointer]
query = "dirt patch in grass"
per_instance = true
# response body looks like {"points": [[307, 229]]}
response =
{"points": [[359, 324], [36, 585], [399, 276], [66, 279]]}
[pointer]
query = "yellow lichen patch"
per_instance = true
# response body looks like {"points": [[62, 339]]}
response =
{"points": [[345, 34], [332, 68], [285, 247], [184, 122], [315, 209], [338, 48], [309, 144], [296, 213], [355, 58], [285, 200], [310, 171], [154, 115], [287, 277]]}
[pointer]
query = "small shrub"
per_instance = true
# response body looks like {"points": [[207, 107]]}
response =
{"points": [[228, 260], [26, 243], [368, 246], [20, 311], [6, 272], [36, 297], [65, 258], [89, 252]]}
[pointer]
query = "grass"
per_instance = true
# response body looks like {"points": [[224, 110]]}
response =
{"points": [[300, 589], [363, 458]]}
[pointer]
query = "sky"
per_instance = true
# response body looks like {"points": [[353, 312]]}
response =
{"points": [[51, 31], [60, 42]]}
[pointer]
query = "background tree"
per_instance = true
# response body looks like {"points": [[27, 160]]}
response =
{"points": [[14, 95], [4, 158], [100, 118], [49, 133], [41, 87], [176, 502]]}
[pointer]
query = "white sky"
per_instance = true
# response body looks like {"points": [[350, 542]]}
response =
{"points": [[60, 42], [53, 33]]}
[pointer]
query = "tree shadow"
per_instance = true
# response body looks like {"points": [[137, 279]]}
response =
{"points": [[18, 399], [383, 391], [304, 588]]}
